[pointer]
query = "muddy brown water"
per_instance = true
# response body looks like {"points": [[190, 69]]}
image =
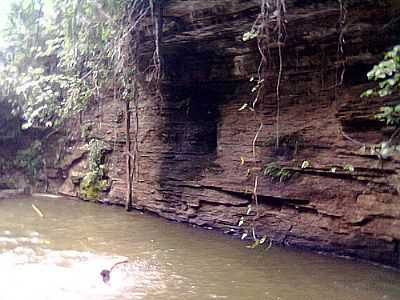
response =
{"points": [[61, 256]]}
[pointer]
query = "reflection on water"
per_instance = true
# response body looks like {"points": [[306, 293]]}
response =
{"points": [[61, 256]]}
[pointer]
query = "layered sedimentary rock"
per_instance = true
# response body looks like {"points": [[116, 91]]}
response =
{"points": [[195, 148]]}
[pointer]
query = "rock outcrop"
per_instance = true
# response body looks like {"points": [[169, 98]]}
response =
{"points": [[195, 147]]}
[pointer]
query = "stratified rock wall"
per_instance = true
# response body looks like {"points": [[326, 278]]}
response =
{"points": [[196, 161]]}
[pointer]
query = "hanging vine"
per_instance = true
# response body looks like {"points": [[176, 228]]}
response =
{"points": [[341, 60], [270, 31]]}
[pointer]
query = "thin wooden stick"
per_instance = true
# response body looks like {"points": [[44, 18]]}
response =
{"points": [[37, 210]]}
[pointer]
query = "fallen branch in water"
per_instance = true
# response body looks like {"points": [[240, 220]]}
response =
{"points": [[37, 210]]}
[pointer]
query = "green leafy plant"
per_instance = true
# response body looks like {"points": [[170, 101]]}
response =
{"points": [[60, 54], [249, 35], [387, 74], [277, 172], [94, 180], [348, 168], [86, 130], [259, 241], [389, 114]]}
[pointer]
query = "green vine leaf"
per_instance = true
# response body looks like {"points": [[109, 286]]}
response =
{"points": [[249, 35], [255, 244], [348, 168], [386, 74]]}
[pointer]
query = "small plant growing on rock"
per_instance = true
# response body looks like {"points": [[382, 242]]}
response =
{"points": [[94, 181], [348, 168], [86, 131], [387, 76], [276, 172]]}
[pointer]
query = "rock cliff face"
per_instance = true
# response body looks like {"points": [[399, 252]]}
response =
{"points": [[196, 161]]}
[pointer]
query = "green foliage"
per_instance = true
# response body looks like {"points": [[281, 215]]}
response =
{"points": [[389, 114], [30, 159], [276, 172], [258, 242], [348, 168], [89, 187], [86, 130], [59, 55], [97, 149], [249, 35], [387, 74], [94, 181]]}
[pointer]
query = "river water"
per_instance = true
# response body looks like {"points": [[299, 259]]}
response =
{"points": [[61, 255]]}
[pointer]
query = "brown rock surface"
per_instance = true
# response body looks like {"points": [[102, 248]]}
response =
{"points": [[192, 139]]}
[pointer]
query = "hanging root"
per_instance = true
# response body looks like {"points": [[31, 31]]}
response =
{"points": [[341, 67], [270, 26]]}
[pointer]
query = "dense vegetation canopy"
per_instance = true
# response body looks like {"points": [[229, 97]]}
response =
{"points": [[58, 55]]}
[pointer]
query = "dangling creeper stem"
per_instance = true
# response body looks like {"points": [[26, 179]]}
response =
{"points": [[255, 198], [280, 8], [128, 204], [341, 42]]}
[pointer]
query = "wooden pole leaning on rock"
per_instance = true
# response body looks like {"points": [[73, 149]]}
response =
{"points": [[128, 203]]}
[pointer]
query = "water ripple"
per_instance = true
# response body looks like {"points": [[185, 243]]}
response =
{"points": [[46, 274]]}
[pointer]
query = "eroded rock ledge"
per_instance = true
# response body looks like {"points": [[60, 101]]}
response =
{"points": [[191, 141]]}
